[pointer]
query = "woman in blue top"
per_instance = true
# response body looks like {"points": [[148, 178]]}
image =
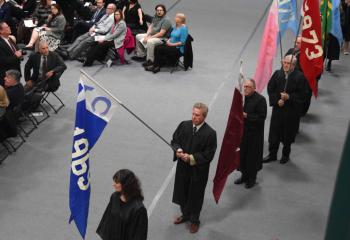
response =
{"points": [[169, 53]]}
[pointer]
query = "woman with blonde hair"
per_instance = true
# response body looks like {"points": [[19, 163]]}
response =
{"points": [[169, 53], [4, 101]]}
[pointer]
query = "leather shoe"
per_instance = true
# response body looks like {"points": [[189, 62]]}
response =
{"points": [[239, 181], [138, 59], [147, 63], [284, 160], [180, 220], [194, 228], [156, 69], [269, 158], [250, 184]]}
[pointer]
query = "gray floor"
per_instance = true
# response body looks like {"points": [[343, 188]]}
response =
{"points": [[290, 202]]}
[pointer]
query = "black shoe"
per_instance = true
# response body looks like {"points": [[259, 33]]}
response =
{"points": [[147, 63], [138, 59], [86, 64], [149, 68], [239, 181], [250, 184], [81, 59], [156, 69], [269, 158], [284, 160]]}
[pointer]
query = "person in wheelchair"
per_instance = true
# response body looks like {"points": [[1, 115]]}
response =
{"points": [[114, 38], [169, 52], [43, 69]]}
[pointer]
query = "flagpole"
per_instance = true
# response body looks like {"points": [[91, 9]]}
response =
{"points": [[325, 45], [252, 34], [279, 31], [127, 109], [293, 53]]}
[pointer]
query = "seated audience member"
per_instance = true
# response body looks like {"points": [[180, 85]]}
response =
{"points": [[83, 26], [4, 101], [52, 32], [14, 88], [102, 27], [42, 12], [157, 31], [120, 4], [43, 69], [133, 17], [5, 12], [173, 48], [23, 9], [114, 38], [10, 56]]}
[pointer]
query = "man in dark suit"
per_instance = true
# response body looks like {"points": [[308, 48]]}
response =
{"points": [[252, 144], [44, 69], [14, 88], [10, 56], [83, 26], [195, 144]]}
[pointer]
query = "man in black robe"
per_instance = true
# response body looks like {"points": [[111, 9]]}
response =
{"points": [[195, 144], [286, 90], [252, 144]]}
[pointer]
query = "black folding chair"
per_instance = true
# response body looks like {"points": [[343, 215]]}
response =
{"points": [[185, 61], [47, 92]]}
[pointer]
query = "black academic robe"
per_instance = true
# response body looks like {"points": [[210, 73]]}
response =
{"points": [[123, 221], [252, 144], [285, 120], [190, 181]]}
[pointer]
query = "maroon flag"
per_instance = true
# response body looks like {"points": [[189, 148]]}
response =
{"points": [[230, 151], [311, 52]]}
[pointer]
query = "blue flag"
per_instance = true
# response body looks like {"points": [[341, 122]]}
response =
{"points": [[287, 16], [94, 110], [336, 27]]}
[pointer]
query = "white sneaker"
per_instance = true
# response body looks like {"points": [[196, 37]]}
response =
{"points": [[346, 53]]}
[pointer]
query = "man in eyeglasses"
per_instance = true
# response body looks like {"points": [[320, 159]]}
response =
{"points": [[252, 144], [157, 31]]}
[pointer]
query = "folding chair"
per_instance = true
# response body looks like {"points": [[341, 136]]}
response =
{"points": [[44, 86], [45, 99], [12, 137], [185, 61], [31, 104], [4, 152]]}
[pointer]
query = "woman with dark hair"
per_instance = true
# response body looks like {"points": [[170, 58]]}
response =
{"points": [[134, 18], [114, 38], [125, 217], [52, 32]]}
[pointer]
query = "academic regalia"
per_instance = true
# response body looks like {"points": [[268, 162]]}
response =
{"points": [[123, 221], [190, 181], [285, 120], [252, 144]]}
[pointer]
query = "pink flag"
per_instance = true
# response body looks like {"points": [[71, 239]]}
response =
{"points": [[268, 48]]}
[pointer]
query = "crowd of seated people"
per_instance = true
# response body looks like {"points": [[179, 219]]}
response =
{"points": [[94, 30]]}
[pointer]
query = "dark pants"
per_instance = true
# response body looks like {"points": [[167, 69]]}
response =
{"points": [[79, 29], [193, 217], [273, 148], [98, 51], [165, 55]]}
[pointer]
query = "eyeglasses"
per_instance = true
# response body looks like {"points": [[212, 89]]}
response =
{"points": [[160, 10]]}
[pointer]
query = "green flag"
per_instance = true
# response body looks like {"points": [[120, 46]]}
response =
{"points": [[339, 216], [326, 13]]}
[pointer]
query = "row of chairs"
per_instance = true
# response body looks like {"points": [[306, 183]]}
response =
{"points": [[18, 123]]}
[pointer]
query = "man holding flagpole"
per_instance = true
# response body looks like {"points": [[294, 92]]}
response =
{"points": [[252, 144], [195, 145], [286, 90]]}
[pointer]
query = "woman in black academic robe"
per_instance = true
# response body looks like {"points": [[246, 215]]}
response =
{"points": [[125, 217]]}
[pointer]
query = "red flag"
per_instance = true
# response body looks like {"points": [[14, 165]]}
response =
{"points": [[229, 153], [311, 51]]}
